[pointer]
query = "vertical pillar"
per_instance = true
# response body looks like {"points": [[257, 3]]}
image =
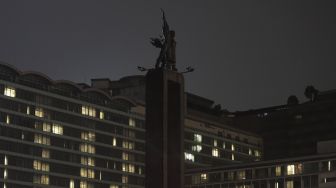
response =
{"points": [[164, 129]]}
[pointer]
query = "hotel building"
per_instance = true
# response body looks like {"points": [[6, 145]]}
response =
{"points": [[305, 172], [64, 134]]}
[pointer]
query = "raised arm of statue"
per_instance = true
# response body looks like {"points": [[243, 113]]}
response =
{"points": [[167, 44]]}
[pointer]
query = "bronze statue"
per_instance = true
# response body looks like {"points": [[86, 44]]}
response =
{"points": [[167, 44]]}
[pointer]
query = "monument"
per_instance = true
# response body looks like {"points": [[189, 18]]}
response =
{"points": [[165, 116]]}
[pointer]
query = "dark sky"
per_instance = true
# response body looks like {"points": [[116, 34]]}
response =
{"points": [[247, 54]]}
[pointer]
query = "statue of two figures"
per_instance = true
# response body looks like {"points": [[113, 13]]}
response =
{"points": [[167, 44]]}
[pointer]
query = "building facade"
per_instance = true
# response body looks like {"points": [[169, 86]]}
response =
{"points": [[63, 134], [56, 134], [317, 171], [299, 148]]}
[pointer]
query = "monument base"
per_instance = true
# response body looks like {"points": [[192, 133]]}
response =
{"points": [[165, 108]]}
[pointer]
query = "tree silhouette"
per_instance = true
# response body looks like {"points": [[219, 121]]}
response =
{"points": [[292, 100], [311, 93]]}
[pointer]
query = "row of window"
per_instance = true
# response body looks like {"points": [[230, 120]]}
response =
{"points": [[49, 127], [215, 153], [85, 135], [87, 173], [10, 92], [85, 110], [83, 147], [275, 171], [41, 166]]}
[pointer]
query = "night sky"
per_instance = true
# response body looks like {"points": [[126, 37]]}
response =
{"points": [[247, 54]]}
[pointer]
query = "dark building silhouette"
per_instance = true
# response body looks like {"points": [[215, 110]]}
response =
{"points": [[292, 130]]}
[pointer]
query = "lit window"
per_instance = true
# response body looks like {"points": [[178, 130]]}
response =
{"points": [[257, 153], [197, 138], [125, 156], [101, 115], [329, 165], [276, 185], [72, 183], [45, 153], [87, 173], [241, 175], [128, 168], [88, 161], [131, 122], [294, 169], [39, 112], [114, 142], [114, 186], [4, 185], [204, 177], [232, 157], [278, 171], [10, 92], [87, 148], [224, 145], [45, 179], [290, 169], [215, 143], [7, 119], [88, 135], [250, 151], [57, 129], [28, 110], [5, 161], [38, 165], [232, 147], [89, 111], [5, 174], [140, 170], [46, 127], [128, 145], [197, 148], [41, 139], [83, 184], [189, 157], [289, 184], [215, 152], [124, 179]]}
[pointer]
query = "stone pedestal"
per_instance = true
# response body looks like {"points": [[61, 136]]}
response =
{"points": [[164, 129]]}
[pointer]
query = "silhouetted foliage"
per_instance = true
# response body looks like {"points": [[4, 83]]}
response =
{"points": [[218, 111], [292, 100], [311, 93]]}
